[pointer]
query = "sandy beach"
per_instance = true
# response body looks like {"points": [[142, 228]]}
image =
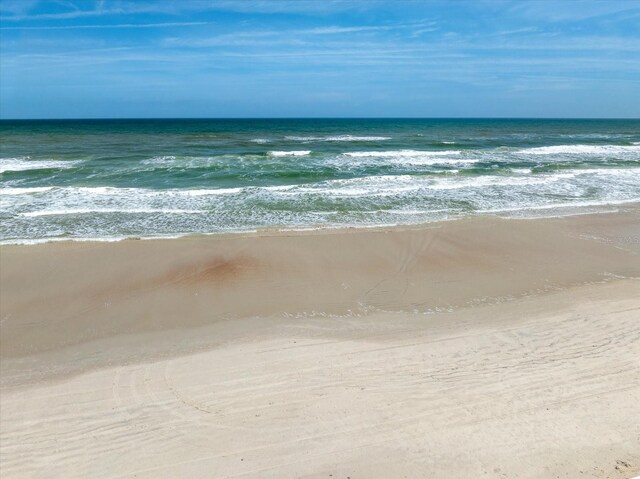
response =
{"points": [[482, 347]]}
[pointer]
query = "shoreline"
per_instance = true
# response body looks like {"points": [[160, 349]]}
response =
{"points": [[624, 206], [440, 266], [477, 347]]}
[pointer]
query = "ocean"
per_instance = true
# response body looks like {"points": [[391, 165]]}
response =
{"points": [[115, 179]]}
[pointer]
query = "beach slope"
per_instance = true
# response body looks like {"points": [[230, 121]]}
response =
{"points": [[473, 348]]}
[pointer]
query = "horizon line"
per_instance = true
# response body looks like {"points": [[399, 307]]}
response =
{"points": [[324, 118]]}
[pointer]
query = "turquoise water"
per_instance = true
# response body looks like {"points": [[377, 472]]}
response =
{"points": [[112, 179]]}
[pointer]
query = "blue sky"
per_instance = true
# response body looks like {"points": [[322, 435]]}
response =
{"points": [[300, 58]]}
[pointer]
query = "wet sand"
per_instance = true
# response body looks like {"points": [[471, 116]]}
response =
{"points": [[481, 347]]}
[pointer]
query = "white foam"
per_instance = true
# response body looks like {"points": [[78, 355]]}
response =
{"points": [[115, 191], [278, 188], [360, 202], [24, 163], [402, 154], [433, 161], [581, 150], [632, 172], [84, 211], [187, 162], [87, 192], [356, 138], [24, 191], [101, 190], [115, 239], [260, 140], [206, 192], [557, 206], [499, 181], [290, 153], [412, 157], [337, 138], [415, 212], [384, 185], [35, 241], [182, 162]]}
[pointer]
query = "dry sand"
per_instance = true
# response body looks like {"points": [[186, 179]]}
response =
{"points": [[475, 348]]}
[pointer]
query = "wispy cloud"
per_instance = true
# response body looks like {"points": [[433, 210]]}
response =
{"points": [[76, 10], [21, 10], [17, 8], [294, 36], [574, 11], [108, 26], [337, 30], [396, 49]]}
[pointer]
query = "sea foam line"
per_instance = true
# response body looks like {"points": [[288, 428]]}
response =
{"points": [[290, 153], [581, 149], [577, 204], [401, 154], [411, 157], [24, 191], [499, 181], [24, 163], [36, 241], [338, 138], [83, 211]]}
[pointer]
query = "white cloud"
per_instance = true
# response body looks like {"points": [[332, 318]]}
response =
{"points": [[106, 26]]}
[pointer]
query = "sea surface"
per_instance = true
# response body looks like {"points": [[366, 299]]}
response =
{"points": [[114, 179]]}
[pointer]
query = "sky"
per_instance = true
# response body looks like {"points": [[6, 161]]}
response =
{"points": [[319, 58]]}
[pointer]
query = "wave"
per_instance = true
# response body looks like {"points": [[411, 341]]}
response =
{"points": [[36, 241], [631, 172], [290, 153], [24, 191], [108, 239], [71, 212], [392, 185], [375, 218], [85, 200], [393, 157], [411, 157], [357, 138], [338, 138], [373, 184], [364, 186], [499, 181], [207, 192], [159, 160], [84, 211], [24, 163], [181, 162], [219, 161], [386, 185], [566, 204], [112, 191], [401, 154], [519, 176], [581, 149]]}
